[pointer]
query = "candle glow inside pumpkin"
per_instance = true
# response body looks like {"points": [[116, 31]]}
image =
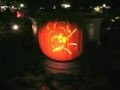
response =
{"points": [[61, 41]]}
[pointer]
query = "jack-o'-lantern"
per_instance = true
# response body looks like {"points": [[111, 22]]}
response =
{"points": [[60, 40]]}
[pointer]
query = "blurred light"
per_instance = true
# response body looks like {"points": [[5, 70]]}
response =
{"points": [[108, 7], [3, 7], [15, 27], [112, 20], [91, 31], [107, 28], [100, 7], [12, 7], [97, 9], [91, 6], [117, 17], [22, 5], [104, 5], [19, 14], [65, 5], [42, 8], [54, 7], [34, 26]]}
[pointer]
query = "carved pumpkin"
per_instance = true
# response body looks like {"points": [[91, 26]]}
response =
{"points": [[61, 41]]}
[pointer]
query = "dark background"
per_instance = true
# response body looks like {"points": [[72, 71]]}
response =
{"points": [[21, 60]]}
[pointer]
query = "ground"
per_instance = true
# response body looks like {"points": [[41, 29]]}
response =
{"points": [[20, 66]]}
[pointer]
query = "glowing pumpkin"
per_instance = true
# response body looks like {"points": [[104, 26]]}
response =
{"points": [[61, 41]]}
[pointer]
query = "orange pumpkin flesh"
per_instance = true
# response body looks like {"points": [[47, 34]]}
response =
{"points": [[61, 41]]}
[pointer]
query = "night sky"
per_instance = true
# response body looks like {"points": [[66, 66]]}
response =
{"points": [[33, 4]]}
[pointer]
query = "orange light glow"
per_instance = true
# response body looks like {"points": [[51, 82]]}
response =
{"points": [[60, 40]]}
